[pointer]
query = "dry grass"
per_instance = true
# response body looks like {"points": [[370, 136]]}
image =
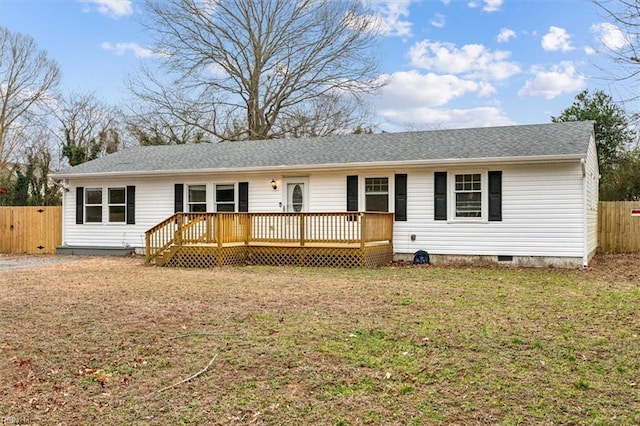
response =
{"points": [[92, 343]]}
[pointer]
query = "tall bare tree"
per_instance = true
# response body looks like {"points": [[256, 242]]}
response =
{"points": [[151, 123], [621, 37], [88, 127], [27, 78], [237, 67]]}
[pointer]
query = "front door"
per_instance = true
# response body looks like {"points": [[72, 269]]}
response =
{"points": [[296, 195]]}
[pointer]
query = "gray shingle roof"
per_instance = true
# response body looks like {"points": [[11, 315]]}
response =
{"points": [[555, 140]]}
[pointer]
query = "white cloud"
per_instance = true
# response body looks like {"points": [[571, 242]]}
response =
{"points": [[556, 39], [438, 20], [122, 48], [589, 50], [113, 8], [505, 35], [489, 5], [562, 78], [611, 36], [492, 5], [411, 89], [216, 70], [426, 118], [471, 60], [390, 17]]}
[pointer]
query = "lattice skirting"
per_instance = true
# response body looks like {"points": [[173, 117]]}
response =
{"points": [[378, 255], [208, 257]]}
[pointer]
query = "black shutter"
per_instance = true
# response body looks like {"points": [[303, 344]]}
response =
{"points": [[401, 197], [178, 198], [79, 205], [243, 196], [131, 205], [440, 196], [495, 196], [352, 193]]}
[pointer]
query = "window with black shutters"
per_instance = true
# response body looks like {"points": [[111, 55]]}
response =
{"points": [[93, 205], [225, 198], [117, 204], [376, 192]]}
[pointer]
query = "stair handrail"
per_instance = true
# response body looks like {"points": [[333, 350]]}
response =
{"points": [[160, 237]]}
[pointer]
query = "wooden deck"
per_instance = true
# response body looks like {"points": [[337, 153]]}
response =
{"points": [[309, 239]]}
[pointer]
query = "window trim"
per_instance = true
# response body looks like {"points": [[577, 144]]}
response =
{"points": [[123, 204], [390, 193], [188, 203], [484, 194], [87, 204], [234, 186]]}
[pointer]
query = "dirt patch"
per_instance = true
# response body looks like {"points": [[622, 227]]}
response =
{"points": [[612, 266], [12, 262]]}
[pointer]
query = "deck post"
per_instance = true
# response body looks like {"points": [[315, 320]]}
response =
{"points": [[248, 226], [363, 238], [219, 230], [302, 236], [219, 238], [209, 230], [147, 247], [363, 230], [178, 234]]}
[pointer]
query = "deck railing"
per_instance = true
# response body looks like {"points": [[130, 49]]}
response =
{"points": [[273, 228]]}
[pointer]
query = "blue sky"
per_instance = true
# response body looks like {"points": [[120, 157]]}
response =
{"points": [[450, 63]]}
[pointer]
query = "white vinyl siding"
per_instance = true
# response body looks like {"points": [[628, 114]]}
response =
{"points": [[541, 216], [542, 208]]}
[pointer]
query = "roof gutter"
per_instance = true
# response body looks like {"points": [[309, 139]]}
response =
{"points": [[540, 159]]}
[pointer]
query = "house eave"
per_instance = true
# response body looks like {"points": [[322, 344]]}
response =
{"points": [[288, 169]]}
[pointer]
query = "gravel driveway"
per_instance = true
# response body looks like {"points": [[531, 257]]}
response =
{"points": [[9, 262]]}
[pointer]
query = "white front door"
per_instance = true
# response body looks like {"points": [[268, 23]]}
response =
{"points": [[296, 195]]}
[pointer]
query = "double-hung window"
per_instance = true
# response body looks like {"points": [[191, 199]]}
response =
{"points": [[93, 205], [117, 204], [376, 191], [468, 195], [225, 198], [197, 198]]}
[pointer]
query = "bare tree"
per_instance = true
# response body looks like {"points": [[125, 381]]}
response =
{"points": [[88, 129], [162, 116], [326, 114], [237, 67], [27, 77]]}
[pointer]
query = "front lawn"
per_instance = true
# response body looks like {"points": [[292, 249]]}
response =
{"points": [[94, 342]]}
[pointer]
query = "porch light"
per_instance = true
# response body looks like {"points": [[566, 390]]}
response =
{"points": [[274, 184]]}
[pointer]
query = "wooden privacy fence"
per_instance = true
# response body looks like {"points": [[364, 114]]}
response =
{"points": [[619, 226], [30, 229]]}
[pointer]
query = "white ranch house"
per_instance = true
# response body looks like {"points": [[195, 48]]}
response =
{"points": [[519, 195]]}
